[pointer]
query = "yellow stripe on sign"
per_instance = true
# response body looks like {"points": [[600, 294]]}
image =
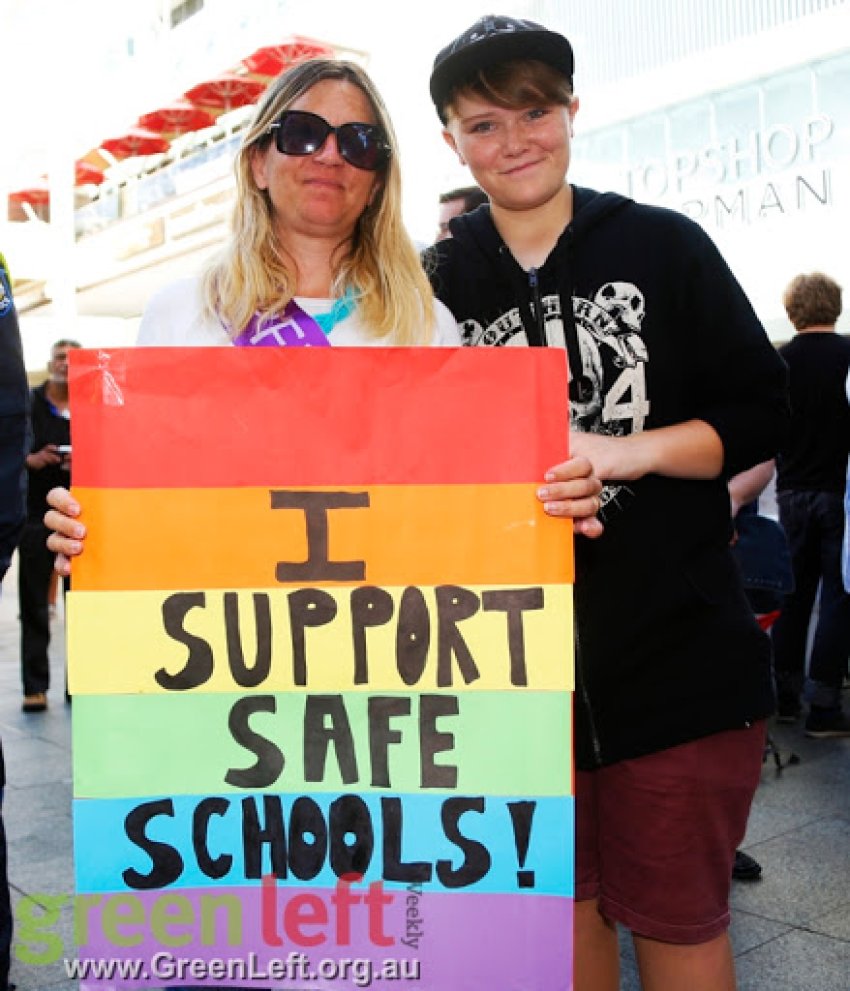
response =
{"points": [[364, 638]]}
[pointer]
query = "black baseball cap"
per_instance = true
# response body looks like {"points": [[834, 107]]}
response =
{"points": [[490, 40]]}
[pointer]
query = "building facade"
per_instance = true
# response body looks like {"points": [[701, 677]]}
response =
{"points": [[735, 114], [732, 111]]}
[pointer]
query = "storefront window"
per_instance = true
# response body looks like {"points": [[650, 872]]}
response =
{"points": [[737, 123], [600, 160], [832, 85], [690, 130], [646, 150], [787, 98]]}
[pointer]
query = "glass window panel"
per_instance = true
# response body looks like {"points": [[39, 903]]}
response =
{"points": [[599, 160], [646, 144], [690, 134], [647, 138], [737, 117], [832, 86], [787, 98], [787, 109]]}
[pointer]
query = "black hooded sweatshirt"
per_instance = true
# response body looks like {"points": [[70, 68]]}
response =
{"points": [[667, 648]]}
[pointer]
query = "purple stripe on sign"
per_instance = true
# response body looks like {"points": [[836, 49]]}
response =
{"points": [[331, 939], [294, 328]]}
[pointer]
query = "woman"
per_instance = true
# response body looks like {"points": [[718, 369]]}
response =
{"points": [[674, 387], [318, 253], [317, 220]]}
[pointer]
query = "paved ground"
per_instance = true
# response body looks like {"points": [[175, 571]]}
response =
{"points": [[791, 930]]}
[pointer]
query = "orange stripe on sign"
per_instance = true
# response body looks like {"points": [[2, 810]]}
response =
{"points": [[383, 535], [217, 417]]}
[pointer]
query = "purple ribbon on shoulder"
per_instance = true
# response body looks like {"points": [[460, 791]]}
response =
{"points": [[293, 328]]}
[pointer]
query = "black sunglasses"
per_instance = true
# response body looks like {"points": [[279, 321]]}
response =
{"points": [[297, 132]]}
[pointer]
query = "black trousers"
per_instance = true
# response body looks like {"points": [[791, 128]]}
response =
{"points": [[814, 523], [35, 566]]}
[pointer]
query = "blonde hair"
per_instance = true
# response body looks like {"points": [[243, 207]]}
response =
{"points": [[380, 266]]}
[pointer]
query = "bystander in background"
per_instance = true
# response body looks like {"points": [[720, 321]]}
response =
{"points": [[48, 465], [454, 203], [811, 472], [845, 557], [761, 553]]}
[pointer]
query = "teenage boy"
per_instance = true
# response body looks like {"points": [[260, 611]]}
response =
{"points": [[674, 388]]}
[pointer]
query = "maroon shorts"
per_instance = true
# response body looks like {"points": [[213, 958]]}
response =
{"points": [[656, 836]]}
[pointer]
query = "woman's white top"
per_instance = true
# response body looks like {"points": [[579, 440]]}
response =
{"points": [[175, 317]]}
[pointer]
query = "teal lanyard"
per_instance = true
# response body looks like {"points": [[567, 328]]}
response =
{"points": [[342, 308]]}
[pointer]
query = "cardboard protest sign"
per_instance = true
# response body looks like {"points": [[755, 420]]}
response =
{"points": [[320, 648]]}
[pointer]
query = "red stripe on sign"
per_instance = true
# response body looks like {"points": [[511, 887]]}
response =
{"points": [[221, 417]]}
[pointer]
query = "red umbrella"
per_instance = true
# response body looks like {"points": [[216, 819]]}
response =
{"points": [[137, 141], [273, 59], [177, 118], [85, 173], [40, 193], [226, 91]]}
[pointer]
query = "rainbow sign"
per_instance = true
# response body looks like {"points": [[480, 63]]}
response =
{"points": [[320, 648]]}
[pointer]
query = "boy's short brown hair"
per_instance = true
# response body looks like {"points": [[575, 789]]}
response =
{"points": [[515, 84]]}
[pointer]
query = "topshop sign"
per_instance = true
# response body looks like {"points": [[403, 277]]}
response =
{"points": [[766, 173]]}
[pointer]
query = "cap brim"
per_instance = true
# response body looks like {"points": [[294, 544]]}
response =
{"points": [[463, 65]]}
